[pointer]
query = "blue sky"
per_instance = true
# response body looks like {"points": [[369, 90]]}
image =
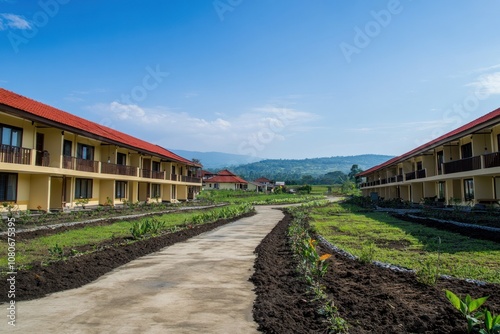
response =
{"points": [[273, 79]]}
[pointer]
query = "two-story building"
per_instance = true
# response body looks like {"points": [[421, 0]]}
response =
{"points": [[51, 159], [462, 166]]}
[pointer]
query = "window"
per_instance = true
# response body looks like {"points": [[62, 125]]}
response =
{"points": [[85, 152], [466, 150], [440, 161], [155, 191], [121, 189], [419, 165], [11, 136], [121, 159], [8, 187], [173, 170], [441, 190], [469, 189], [83, 188], [156, 166], [67, 148]]}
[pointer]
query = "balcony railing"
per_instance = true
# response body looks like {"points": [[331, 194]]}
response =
{"points": [[146, 173], [85, 165], [80, 164], [462, 165], [400, 178], [15, 155], [42, 158], [158, 175], [410, 176], [191, 179], [109, 168], [421, 173], [173, 177], [492, 160]]}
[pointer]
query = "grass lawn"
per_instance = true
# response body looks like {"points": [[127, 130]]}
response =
{"points": [[39, 249], [378, 236]]}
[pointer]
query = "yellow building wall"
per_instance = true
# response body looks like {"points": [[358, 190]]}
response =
{"points": [[53, 141], [106, 190], [133, 191], [182, 192], [430, 189], [483, 187], [28, 140], [143, 191], [23, 191], [39, 192], [56, 185]]}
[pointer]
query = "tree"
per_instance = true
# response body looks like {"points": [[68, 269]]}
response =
{"points": [[354, 171]]}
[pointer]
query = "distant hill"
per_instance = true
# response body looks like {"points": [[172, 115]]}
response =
{"points": [[284, 169], [216, 160]]}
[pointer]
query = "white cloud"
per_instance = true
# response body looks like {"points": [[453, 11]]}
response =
{"points": [[174, 129], [487, 83], [13, 21]]}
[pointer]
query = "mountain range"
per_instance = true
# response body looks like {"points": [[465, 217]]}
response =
{"points": [[252, 168]]}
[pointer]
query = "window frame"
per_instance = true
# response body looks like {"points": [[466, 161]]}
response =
{"points": [[80, 184], [155, 190], [4, 193], [121, 189], [12, 130], [84, 148], [468, 189]]}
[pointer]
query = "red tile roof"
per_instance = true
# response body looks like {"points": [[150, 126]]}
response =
{"points": [[438, 141], [263, 180], [225, 176], [66, 119]]}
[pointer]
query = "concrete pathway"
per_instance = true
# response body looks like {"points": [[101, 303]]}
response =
{"points": [[198, 286]]}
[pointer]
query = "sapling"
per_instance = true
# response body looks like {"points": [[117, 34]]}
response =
{"points": [[467, 306]]}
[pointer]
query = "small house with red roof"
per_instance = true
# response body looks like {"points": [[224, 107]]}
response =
{"points": [[461, 166], [225, 179], [51, 159]]}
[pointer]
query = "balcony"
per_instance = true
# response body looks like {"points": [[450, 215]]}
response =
{"points": [[158, 175], [15, 155], [82, 165], [191, 179], [462, 165], [421, 173], [109, 168], [145, 173], [492, 160], [173, 177], [410, 176]]}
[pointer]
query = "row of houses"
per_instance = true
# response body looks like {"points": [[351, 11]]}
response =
{"points": [[459, 167], [51, 159], [227, 180]]}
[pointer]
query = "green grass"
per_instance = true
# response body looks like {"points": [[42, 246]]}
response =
{"points": [[407, 244], [37, 249], [239, 197]]}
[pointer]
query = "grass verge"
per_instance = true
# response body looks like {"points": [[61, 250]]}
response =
{"points": [[379, 236]]}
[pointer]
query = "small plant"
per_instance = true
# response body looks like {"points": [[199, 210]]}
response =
{"points": [[82, 202], [367, 252], [468, 308], [56, 251], [491, 323], [427, 273], [146, 227]]}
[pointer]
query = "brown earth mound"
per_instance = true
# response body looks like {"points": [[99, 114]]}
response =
{"points": [[370, 298]]}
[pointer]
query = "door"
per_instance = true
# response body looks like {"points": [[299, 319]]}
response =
{"points": [[40, 160]]}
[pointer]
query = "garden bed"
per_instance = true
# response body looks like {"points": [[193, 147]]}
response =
{"points": [[370, 298], [76, 271]]}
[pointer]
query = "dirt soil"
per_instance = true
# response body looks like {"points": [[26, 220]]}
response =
{"points": [[370, 298]]}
